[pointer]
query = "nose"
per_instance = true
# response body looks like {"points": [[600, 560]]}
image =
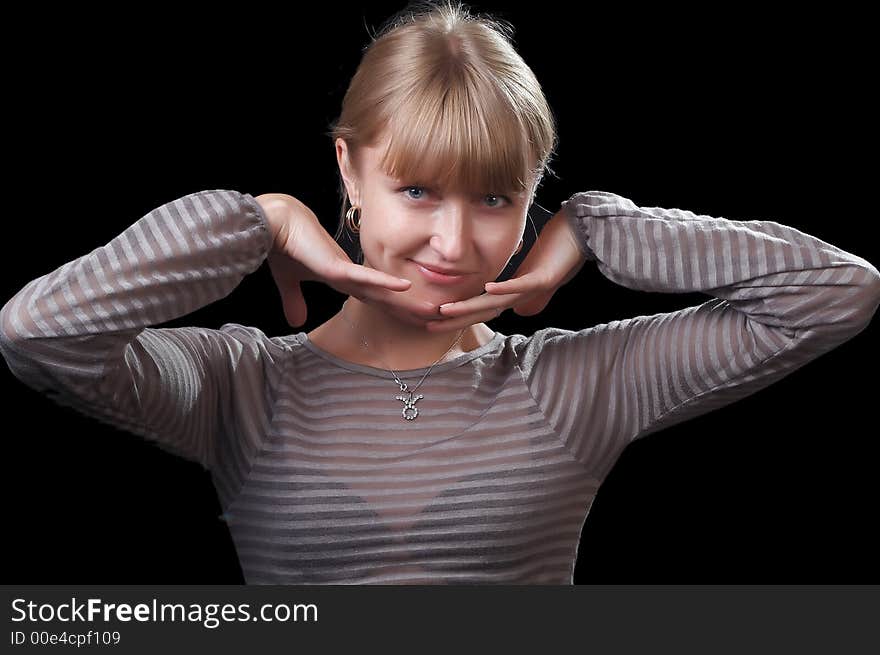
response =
{"points": [[452, 230]]}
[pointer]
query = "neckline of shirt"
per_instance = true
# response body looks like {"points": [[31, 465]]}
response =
{"points": [[487, 347]]}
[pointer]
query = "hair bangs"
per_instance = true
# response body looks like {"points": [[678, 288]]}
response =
{"points": [[440, 138]]}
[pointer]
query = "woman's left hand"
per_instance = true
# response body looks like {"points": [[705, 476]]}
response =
{"points": [[552, 262]]}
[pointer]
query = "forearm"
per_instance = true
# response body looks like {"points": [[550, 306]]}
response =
{"points": [[176, 259], [775, 274]]}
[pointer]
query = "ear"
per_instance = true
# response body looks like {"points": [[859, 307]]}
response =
{"points": [[347, 170]]}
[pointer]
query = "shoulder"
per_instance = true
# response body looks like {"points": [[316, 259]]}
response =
{"points": [[256, 341], [555, 346]]}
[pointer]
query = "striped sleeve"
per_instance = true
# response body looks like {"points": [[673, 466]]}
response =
{"points": [[780, 298], [80, 334]]}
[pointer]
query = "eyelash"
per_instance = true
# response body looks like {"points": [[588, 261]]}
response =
{"points": [[413, 186]]}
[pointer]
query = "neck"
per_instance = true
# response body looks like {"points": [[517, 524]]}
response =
{"points": [[395, 344]]}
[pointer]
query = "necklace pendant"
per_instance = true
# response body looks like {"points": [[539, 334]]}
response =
{"points": [[410, 411]]}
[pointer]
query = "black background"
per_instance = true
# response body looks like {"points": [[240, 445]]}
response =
{"points": [[738, 115]]}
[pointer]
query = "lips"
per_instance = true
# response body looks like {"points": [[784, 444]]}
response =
{"points": [[439, 278], [441, 270]]}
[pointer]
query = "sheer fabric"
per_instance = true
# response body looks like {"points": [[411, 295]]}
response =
{"points": [[321, 479]]}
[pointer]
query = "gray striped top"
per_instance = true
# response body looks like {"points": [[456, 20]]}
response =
{"points": [[320, 478]]}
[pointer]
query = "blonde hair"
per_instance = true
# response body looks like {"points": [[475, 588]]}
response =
{"points": [[458, 104]]}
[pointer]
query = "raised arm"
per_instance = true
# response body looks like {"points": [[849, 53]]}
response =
{"points": [[780, 299], [80, 334]]}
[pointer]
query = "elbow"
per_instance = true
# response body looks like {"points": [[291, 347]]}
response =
{"points": [[866, 301], [11, 327], [19, 320], [7, 330], [872, 286]]}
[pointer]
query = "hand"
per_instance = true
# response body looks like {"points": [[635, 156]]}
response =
{"points": [[551, 263], [303, 250]]}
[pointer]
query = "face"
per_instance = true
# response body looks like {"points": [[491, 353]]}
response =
{"points": [[401, 224]]}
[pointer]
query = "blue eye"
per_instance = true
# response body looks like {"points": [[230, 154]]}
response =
{"points": [[495, 195], [406, 189]]}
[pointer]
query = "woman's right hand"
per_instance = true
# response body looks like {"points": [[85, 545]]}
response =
{"points": [[303, 250]]}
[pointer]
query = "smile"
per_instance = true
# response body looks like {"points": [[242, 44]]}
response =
{"points": [[439, 278]]}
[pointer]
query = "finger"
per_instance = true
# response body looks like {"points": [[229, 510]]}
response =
{"points": [[514, 285], [450, 324], [294, 306], [361, 274], [476, 304], [397, 302]]}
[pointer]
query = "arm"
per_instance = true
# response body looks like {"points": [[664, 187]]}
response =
{"points": [[780, 299], [80, 334], [276, 208]]}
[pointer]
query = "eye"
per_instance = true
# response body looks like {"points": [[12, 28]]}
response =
{"points": [[495, 195], [406, 190]]}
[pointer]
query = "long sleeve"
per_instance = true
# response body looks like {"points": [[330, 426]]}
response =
{"points": [[80, 334], [780, 299]]}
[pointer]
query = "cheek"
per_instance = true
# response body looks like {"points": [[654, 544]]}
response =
{"points": [[386, 243], [503, 244], [391, 231], [397, 226]]}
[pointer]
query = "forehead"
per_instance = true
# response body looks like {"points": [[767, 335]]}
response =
{"points": [[372, 156], [371, 159]]}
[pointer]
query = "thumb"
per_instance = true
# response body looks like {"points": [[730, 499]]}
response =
{"points": [[295, 310], [532, 306]]}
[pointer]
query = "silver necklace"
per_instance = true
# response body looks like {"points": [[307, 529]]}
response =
{"points": [[410, 411]]}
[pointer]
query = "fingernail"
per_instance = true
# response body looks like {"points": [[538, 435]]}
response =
{"points": [[442, 307]]}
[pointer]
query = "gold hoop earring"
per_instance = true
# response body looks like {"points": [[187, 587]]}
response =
{"points": [[354, 227]]}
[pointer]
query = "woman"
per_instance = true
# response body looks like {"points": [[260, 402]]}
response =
{"points": [[404, 441]]}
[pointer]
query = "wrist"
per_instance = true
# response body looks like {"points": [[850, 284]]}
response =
{"points": [[575, 229], [276, 207]]}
